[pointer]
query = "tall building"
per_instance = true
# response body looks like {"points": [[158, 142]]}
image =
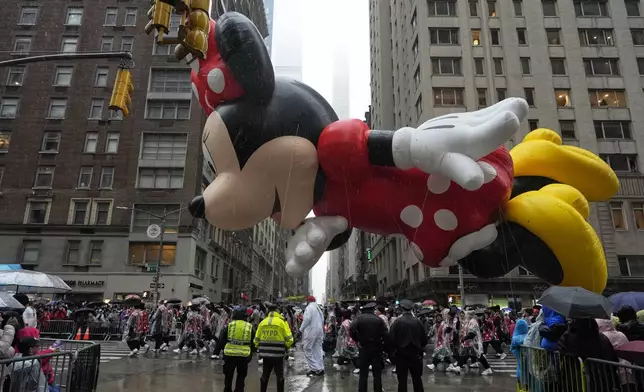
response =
{"points": [[579, 66], [269, 7], [67, 164]]}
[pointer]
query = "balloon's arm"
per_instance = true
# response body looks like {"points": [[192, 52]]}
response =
{"points": [[242, 48]]}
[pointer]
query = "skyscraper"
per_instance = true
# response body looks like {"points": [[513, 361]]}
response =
{"points": [[579, 66]]}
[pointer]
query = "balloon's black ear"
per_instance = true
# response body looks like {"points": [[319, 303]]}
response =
{"points": [[197, 207], [243, 50]]}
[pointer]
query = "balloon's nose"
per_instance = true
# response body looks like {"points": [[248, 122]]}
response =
{"points": [[197, 207]]}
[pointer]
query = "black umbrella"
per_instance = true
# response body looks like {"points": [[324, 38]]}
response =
{"points": [[576, 303], [95, 304], [84, 310], [173, 301]]}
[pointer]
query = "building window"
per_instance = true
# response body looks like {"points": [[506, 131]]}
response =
{"points": [[607, 98], [553, 37], [494, 37], [63, 76], [522, 36], [591, 8], [558, 66], [448, 97], [501, 94], [73, 252], [57, 108], [568, 129], [91, 141], [632, 7], [518, 8], [107, 178], [130, 17], [142, 220], [127, 44], [162, 146], [638, 36], [111, 13], [8, 107], [102, 212], [612, 129], [85, 177], [476, 37], [533, 124], [417, 77], [441, 7], [414, 48], [96, 109], [617, 213], [170, 80], [529, 96], [624, 163], [21, 44], [107, 43], [161, 50], [44, 177], [446, 66], [498, 66], [491, 9], [160, 178], [474, 8], [112, 143], [168, 110], [601, 67], [145, 253], [30, 252], [50, 142], [596, 37], [419, 106], [482, 97], [79, 212], [96, 252], [479, 67], [414, 18], [28, 16], [200, 261], [69, 44], [37, 212], [525, 66], [100, 80], [443, 36], [549, 7], [638, 214], [74, 16], [16, 76], [563, 98], [5, 139], [631, 265]]}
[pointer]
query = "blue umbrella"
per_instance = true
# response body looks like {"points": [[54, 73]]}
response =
{"points": [[634, 299]]}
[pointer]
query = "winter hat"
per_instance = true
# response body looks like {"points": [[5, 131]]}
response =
{"points": [[310, 298]]}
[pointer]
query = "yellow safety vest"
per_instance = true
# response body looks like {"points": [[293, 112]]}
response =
{"points": [[239, 339]]}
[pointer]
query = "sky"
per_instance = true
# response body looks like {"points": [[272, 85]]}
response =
{"points": [[330, 39]]}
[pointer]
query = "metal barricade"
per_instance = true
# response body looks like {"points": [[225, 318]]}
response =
{"points": [[605, 376], [36, 373], [57, 328], [540, 370], [84, 374]]}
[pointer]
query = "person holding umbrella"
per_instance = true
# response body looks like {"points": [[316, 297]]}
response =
{"points": [[629, 325]]}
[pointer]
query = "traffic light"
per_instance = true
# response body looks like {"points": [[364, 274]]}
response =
{"points": [[123, 87], [193, 35], [368, 254], [159, 15]]}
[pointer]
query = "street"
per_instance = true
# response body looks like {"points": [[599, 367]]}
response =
{"points": [[171, 372]]}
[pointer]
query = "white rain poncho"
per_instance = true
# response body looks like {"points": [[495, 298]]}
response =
{"points": [[312, 335]]}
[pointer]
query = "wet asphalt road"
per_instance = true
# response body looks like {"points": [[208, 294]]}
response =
{"points": [[171, 372]]}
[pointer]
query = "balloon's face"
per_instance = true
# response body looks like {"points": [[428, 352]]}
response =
{"points": [[276, 181]]}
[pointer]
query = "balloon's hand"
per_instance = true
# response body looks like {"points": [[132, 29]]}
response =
{"points": [[452, 144], [310, 241]]}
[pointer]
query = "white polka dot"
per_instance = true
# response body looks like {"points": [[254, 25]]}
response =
{"points": [[417, 252], [489, 172], [216, 80], [411, 216], [195, 91], [446, 220], [438, 184]]}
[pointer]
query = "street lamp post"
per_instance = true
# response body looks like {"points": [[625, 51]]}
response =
{"points": [[162, 218]]}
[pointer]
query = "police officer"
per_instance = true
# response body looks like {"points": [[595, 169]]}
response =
{"points": [[370, 333], [273, 340], [236, 340], [408, 339]]}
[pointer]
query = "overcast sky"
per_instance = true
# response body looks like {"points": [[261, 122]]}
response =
{"points": [[314, 33]]}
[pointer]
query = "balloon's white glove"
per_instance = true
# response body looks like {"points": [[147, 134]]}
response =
{"points": [[450, 145], [310, 241]]}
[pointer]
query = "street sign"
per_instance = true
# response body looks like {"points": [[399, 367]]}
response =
{"points": [[152, 267], [153, 231], [161, 285]]}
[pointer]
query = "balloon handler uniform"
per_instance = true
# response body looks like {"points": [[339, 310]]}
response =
{"points": [[237, 341], [449, 186], [273, 340]]}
